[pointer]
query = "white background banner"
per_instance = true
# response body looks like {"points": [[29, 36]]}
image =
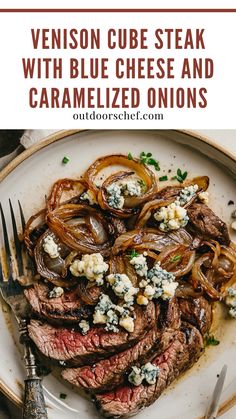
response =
{"points": [[219, 40]]}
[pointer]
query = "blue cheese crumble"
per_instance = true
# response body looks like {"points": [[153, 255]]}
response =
{"points": [[91, 266], [115, 198], [50, 247], [140, 264], [230, 301], [87, 196], [174, 215], [204, 197], [171, 217], [187, 194], [112, 315], [158, 284], [148, 372], [131, 188], [118, 192], [122, 287], [56, 292], [84, 326]]}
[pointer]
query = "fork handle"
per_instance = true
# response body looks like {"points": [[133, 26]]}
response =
{"points": [[34, 404]]}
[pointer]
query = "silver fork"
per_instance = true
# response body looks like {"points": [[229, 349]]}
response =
{"points": [[12, 292]]}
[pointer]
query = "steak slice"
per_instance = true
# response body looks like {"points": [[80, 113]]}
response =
{"points": [[198, 312], [169, 316], [67, 308], [169, 192], [207, 224], [111, 372], [70, 345], [180, 355]]}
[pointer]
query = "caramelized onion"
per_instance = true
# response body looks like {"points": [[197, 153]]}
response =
{"points": [[200, 278], [51, 269], [186, 290], [81, 229], [88, 293], [82, 238], [77, 187], [177, 259], [201, 181], [116, 265], [148, 209], [134, 165], [102, 195], [167, 196], [29, 229], [150, 239], [121, 264]]}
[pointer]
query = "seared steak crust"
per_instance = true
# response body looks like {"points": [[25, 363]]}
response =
{"points": [[169, 192], [207, 224], [198, 312], [180, 355], [169, 316], [67, 308], [64, 344]]}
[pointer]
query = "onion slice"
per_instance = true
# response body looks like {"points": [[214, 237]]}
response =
{"points": [[65, 185], [150, 239], [84, 238], [200, 278], [88, 294], [135, 167], [148, 209], [55, 273], [186, 290], [177, 259]]}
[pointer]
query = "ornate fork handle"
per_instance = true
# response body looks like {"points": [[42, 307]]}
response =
{"points": [[34, 403]]}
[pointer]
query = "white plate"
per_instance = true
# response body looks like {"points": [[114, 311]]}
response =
{"points": [[29, 178]]}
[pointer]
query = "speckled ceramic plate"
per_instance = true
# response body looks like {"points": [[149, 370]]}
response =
{"points": [[29, 178]]}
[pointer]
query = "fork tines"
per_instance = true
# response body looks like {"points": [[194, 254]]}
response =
{"points": [[13, 259]]}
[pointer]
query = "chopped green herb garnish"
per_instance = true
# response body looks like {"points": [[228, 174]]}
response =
{"points": [[163, 178], [181, 176], [175, 258], [146, 158], [142, 184], [63, 396], [65, 160], [211, 341], [130, 157], [132, 254]]}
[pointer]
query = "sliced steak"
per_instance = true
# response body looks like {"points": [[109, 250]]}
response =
{"points": [[67, 308], [180, 355], [169, 192], [169, 316], [198, 312], [71, 346], [109, 373], [207, 224]]}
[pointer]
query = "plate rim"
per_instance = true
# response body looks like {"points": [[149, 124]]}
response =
{"points": [[59, 135], [62, 134]]}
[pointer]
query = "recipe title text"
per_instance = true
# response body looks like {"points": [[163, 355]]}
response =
{"points": [[117, 68]]}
